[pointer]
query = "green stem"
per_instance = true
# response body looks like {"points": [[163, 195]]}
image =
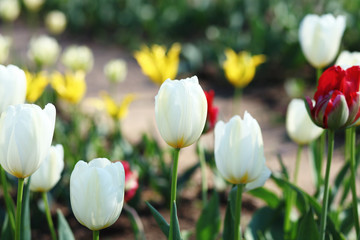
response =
{"points": [[353, 182], [237, 227], [173, 190], [237, 100], [320, 159], [318, 74], [8, 201], [297, 163], [48, 216], [96, 234], [326, 190], [203, 174], [18, 207]]}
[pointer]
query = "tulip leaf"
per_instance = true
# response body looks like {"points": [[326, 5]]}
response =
{"points": [[271, 199], [64, 229], [164, 226], [135, 221], [228, 231], [176, 227], [6, 231], [208, 225], [183, 179], [25, 214], [308, 229]]}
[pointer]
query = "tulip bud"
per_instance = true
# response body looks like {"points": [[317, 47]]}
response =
{"points": [[33, 5], [49, 173], [97, 192], [239, 152], [43, 50], [299, 125], [55, 22], [180, 111], [320, 38], [5, 43], [9, 10], [348, 59], [12, 86], [337, 98], [78, 58], [26, 132], [115, 70]]}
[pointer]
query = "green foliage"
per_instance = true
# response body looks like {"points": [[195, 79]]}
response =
{"points": [[64, 230]]}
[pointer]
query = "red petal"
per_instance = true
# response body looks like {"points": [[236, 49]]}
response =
{"points": [[330, 80]]}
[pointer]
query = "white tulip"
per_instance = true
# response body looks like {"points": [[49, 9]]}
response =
{"points": [[5, 44], [12, 86], [97, 192], [299, 125], [180, 111], [116, 70], [9, 10], [33, 5], [348, 59], [78, 58], [320, 38], [49, 173], [26, 132], [44, 50], [55, 22], [239, 152]]}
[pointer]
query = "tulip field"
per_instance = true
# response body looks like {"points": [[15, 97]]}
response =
{"points": [[198, 120]]}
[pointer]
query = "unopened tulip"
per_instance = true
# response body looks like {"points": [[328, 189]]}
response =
{"points": [[33, 5], [239, 152], [49, 173], [55, 22], [26, 132], [97, 192], [299, 125], [320, 38], [12, 86], [348, 59], [9, 10], [43, 50], [5, 43], [115, 70], [337, 99], [78, 58], [180, 111]]}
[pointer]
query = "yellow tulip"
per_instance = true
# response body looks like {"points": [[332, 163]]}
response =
{"points": [[240, 68], [36, 84], [114, 110], [70, 87], [157, 64]]}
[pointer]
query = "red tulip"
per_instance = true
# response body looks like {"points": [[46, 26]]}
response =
{"points": [[337, 98], [131, 182], [212, 111]]}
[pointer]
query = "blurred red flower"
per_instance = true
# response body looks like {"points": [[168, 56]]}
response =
{"points": [[212, 111], [131, 181]]}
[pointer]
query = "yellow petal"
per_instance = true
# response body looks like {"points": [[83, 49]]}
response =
{"points": [[70, 87], [36, 84]]}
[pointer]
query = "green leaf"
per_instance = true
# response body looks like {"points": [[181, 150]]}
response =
{"points": [[64, 229], [184, 178], [164, 226], [308, 229], [6, 231], [208, 225], [228, 231], [283, 167], [25, 214], [339, 181], [136, 223], [269, 197], [176, 228]]}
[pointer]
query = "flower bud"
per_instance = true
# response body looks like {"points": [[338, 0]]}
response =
{"points": [[180, 111], [43, 50], [78, 58], [33, 5], [239, 152], [9, 10], [5, 44], [97, 192], [115, 70], [55, 22], [26, 132]]}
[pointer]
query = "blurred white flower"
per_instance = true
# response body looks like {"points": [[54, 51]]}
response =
{"points": [[348, 59], [33, 5], [43, 50], [9, 10], [55, 22], [115, 70], [5, 44], [78, 58]]}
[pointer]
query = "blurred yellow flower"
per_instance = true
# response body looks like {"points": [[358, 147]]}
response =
{"points": [[240, 68], [114, 110], [70, 87], [36, 84], [157, 64]]}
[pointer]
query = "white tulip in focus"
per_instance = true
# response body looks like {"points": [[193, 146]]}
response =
{"points": [[9, 10], [78, 58], [12, 86], [55, 22], [299, 125], [239, 152], [33, 5], [49, 173], [180, 111], [44, 50], [348, 59], [5, 44], [26, 132], [320, 38], [97, 192], [116, 70]]}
